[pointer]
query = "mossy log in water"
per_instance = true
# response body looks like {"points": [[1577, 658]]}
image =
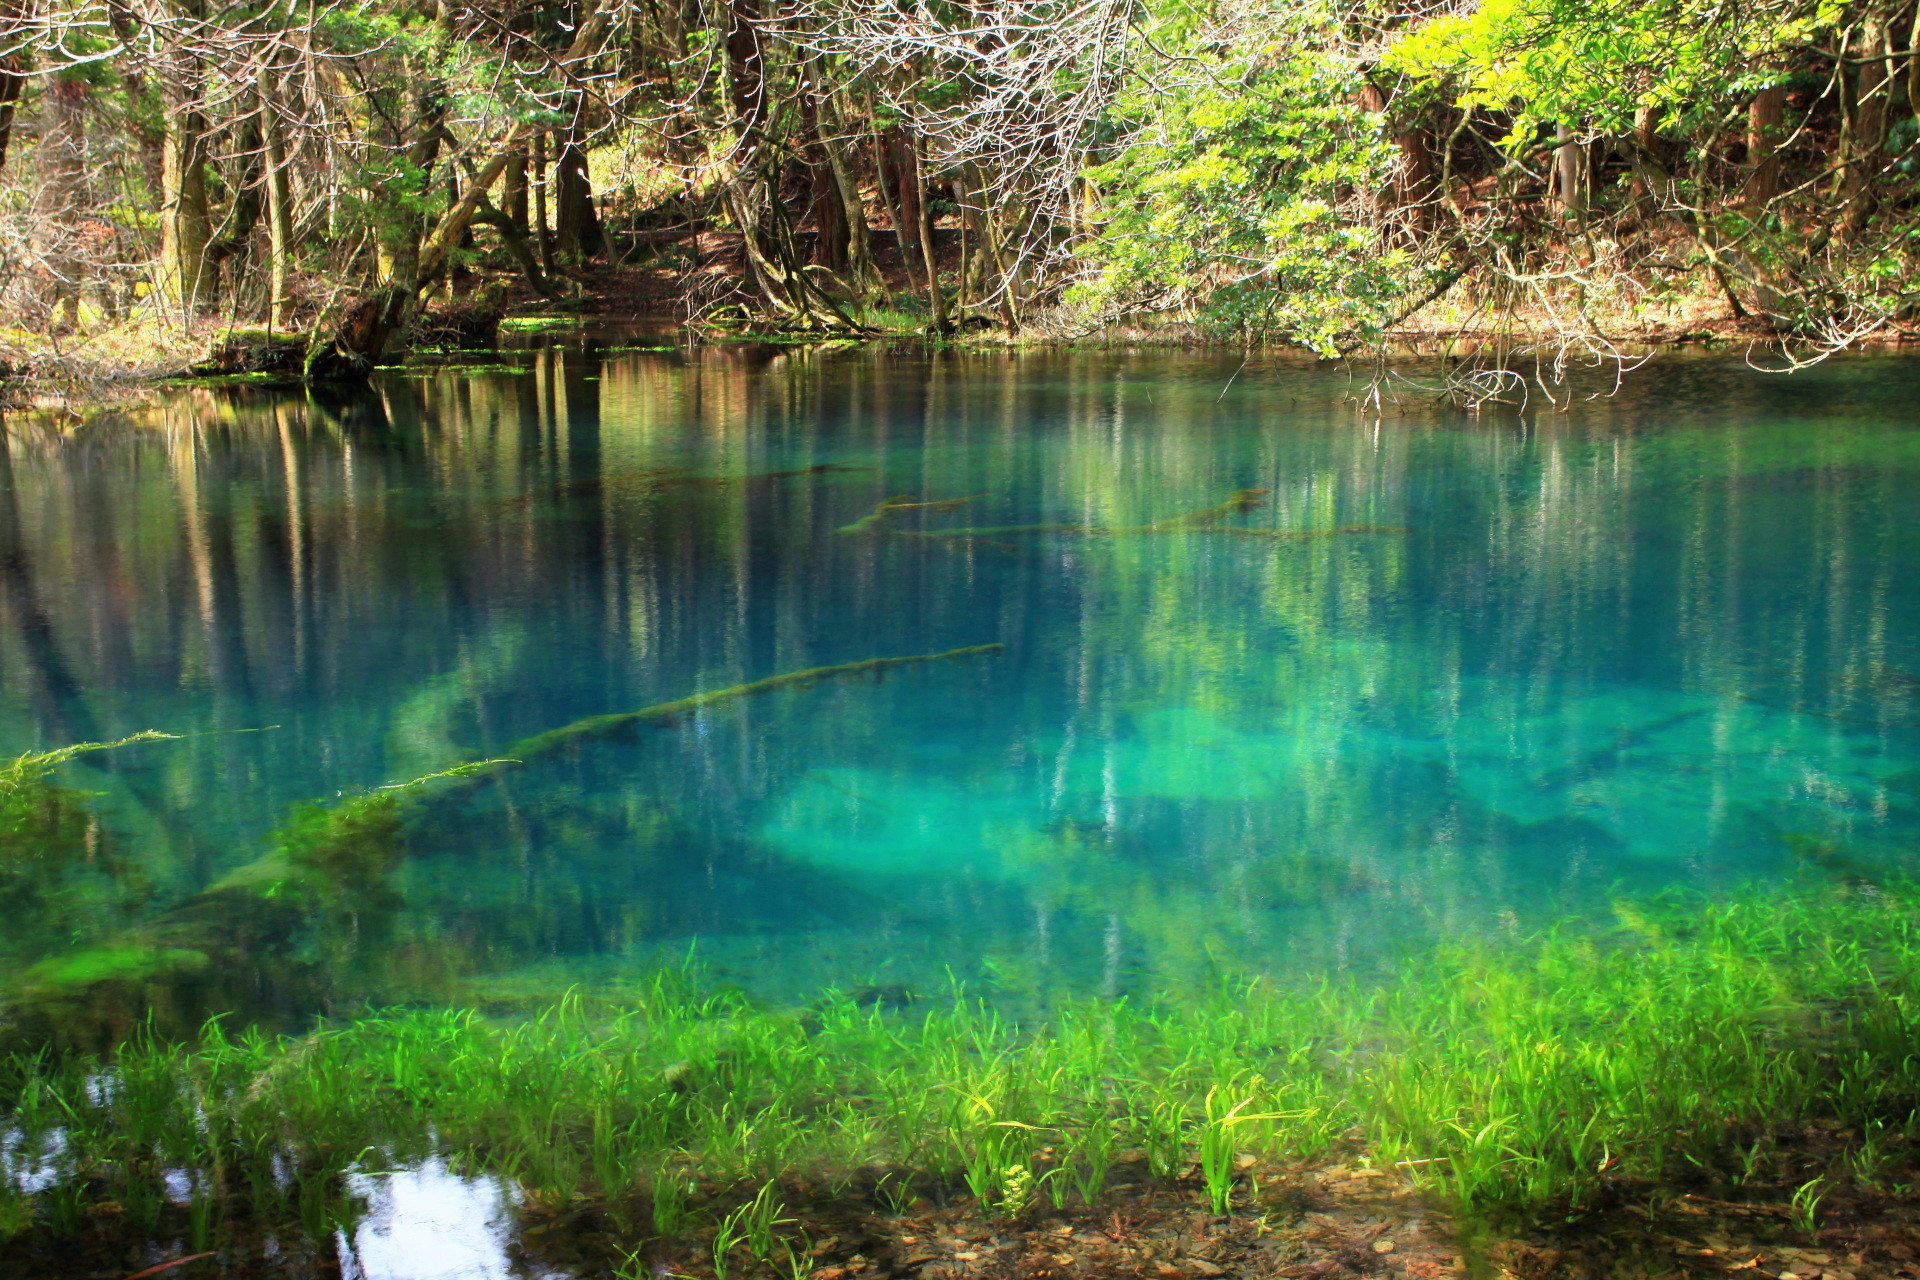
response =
{"points": [[667, 715], [665, 480], [1210, 520], [260, 932]]}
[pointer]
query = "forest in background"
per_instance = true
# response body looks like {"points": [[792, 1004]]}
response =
{"points": [[1305, 171]]}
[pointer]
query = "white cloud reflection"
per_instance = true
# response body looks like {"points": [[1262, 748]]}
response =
{"points": [[428, 1223]]}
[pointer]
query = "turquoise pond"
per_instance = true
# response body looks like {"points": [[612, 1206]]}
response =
{"points": [[1443, 674]]}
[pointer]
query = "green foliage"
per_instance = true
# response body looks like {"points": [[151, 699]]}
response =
{"points": [[1511, 1078], [1593, 64], [62, 876], [1243, 196]]}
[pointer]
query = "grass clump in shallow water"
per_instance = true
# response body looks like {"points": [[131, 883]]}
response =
{"points": [[1511, 1079]]}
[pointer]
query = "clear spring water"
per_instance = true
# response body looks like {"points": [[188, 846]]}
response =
{"points": [[1496, 668]]}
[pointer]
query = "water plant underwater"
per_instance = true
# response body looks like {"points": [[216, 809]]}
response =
{"points": [[322, 881], [1509, 1077]]}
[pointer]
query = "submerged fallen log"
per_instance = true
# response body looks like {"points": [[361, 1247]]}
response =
{"points": [[656, 480], [270, 935], [667, 715], [1210, 520]]}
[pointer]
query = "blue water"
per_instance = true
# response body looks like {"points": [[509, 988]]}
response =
{"points": [[1446, 673]]}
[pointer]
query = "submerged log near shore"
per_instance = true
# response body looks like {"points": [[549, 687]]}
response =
{"points": [[262, 936]]}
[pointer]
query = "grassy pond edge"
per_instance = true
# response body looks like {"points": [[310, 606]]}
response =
{"points": [[1685, 1048]]}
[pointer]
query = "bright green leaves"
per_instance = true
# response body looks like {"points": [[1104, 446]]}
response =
{"points": [[1246, 200], [1594, 64]]}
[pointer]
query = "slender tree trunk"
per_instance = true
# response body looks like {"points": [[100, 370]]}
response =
{"points": [[912, 185], [991, 251], [405, 270], [234, 231], [1912, 72], [889, 192], [1416, 178], [963, 278], [1643, 146], [1764, 118], [279, 204], [543, 239]]}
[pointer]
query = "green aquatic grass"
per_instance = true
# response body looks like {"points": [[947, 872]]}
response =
{"points": [[541, 324], [1514, 1077]]}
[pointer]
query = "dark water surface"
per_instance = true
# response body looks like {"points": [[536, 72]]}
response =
{"points": [[1453, 671]]}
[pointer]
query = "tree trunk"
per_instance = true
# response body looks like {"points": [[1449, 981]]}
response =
{"points": [[14, 65], [543, 238], [911, 185], [861, 273], [243, 212], [1570, 174], [513, 194], [279, 205], [1415, 180], [990, 251], [402, 265], [184, 280], [1911, 71], [1866, 134], [1644, 145], [897, 192], [60, 197], [576, 224], [963, 278], [1764, 118], [828, 214]]}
